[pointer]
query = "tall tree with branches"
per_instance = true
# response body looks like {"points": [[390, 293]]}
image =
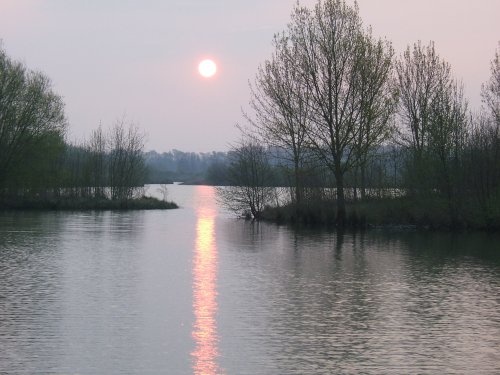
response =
{"points": [[32, 121], [280, 103], [491, 90], [378, 99], [334, 51], [126, 166], [420, 75], [432, 110]]}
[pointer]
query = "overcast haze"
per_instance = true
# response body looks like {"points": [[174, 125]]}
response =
{"points": [[110, 58]]}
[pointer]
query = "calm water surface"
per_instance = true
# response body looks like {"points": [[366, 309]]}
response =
{"points": [[193, 291]]}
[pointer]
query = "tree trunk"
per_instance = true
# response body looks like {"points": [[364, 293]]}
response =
{"points": [[355, 185], [363, 181], [298, 187], [341, 211]]}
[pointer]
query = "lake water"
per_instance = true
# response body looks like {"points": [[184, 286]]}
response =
{"points": [[195, 291]]}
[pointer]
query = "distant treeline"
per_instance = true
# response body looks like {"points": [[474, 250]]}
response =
{"points": [[215, 168], [187, 167]]}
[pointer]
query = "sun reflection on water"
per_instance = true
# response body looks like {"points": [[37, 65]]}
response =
{"points": [[205, 293]]}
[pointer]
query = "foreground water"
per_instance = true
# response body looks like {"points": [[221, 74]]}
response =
{"points": [[193, 291]]}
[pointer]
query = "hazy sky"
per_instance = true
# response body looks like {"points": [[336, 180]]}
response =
{"points": [[138, 58]]}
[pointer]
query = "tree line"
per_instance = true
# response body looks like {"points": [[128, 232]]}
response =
{"points": [[187, 167], [38, 166], [110, 164], [351, 121]]}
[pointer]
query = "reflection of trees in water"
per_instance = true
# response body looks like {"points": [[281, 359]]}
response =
{"points": [[327, 299], [341, 301]]}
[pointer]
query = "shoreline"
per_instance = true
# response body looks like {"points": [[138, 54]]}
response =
{"points": [[384, 213], [81, 204]]}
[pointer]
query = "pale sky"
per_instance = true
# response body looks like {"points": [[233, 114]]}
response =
{"points": [[138, 58]]}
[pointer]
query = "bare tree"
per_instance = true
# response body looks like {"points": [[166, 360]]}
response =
{"points": [[126, 161], [377, 100], [421, 74], [281, 103], [97, 162], [491, 90], [433, 112], [249, 176], [447, 135]]}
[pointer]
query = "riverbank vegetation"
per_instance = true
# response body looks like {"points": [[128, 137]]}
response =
{"points": [[365, 137], [39, 169]]}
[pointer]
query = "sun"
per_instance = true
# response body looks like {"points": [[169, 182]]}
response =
{"points": [[207, 68]]}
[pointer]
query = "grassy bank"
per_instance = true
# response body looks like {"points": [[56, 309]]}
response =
{"points": [[143, 203], [432, 213]]}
